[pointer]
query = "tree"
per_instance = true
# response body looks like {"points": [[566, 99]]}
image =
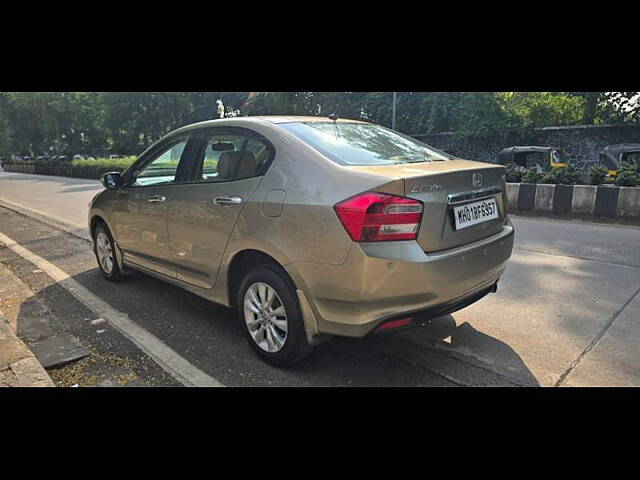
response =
{"points": [[620, 107], [543, 109], [39, 123]]}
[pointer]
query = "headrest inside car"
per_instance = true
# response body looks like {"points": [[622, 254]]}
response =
{"points": [[228, 161], [222, 147]]}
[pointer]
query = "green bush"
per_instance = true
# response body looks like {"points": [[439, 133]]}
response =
{"points": [[560, 176], [63, 162], [628, 175], [597, 174], [530, 176], [548, 178], [512, 175], [566, 175], [114, 163]]}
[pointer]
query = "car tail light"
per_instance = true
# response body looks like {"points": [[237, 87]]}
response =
{"points": [[379, 217]]}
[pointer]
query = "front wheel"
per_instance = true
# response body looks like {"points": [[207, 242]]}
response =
{"points": [[271, 318], [105, 250]]}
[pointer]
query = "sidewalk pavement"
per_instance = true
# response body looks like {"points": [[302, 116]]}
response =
{"points": [[18, 365]]}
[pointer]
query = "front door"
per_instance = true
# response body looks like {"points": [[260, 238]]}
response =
{"points": [[142, 225], [202, 213]]}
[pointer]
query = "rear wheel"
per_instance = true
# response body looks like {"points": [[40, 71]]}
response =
{"points": [[271, 318], [105, 250]]}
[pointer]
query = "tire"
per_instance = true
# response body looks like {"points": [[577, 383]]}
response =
{"points": [[293, 345], [104, 245]]}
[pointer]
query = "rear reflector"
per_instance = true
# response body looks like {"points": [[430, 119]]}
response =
{"points": [[402, 322], [379, 217]]}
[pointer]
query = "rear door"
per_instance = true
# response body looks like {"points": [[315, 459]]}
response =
{"points": [[227, 166]]}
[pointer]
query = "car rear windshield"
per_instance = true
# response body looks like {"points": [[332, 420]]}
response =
{"points": [[363, 144]]}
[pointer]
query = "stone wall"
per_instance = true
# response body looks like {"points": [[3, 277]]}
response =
{"points": [[582, 144]]}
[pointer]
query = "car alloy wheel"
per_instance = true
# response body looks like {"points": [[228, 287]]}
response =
{"points": [[266, 317], [104, 250]]}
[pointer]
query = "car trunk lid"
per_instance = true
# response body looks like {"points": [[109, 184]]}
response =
{"points": [[443, 186]]}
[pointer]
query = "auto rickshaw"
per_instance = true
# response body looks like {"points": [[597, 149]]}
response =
{"points": [[542, 159], [612, 157]]}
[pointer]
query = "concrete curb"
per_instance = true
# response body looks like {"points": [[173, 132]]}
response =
{"points": [[583, 201], [18, 365]]}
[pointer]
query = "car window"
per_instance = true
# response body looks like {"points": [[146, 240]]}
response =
{"points": [[631, 157], [260, 151], [363, 143], [162, 170], [220, 146], [232, 156], [537, 160]]}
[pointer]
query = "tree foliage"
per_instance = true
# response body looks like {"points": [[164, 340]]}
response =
{"points": [[79, 122]]}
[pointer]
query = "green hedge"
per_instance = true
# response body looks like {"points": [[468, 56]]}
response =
{"points": [[115, 163]]}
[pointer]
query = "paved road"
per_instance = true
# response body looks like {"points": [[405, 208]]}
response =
{"points": [[567, 311]]}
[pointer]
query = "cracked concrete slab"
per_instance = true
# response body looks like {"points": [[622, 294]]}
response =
{"points": [[18, 365], [12, 351], [59, 350], [615, 359]]}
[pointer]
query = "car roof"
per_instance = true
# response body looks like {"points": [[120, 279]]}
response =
{"points": [[622, 147], [246, 121], [299, 118], [274, 119]]}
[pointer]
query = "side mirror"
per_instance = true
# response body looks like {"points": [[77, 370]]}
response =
{"points": [[112, 180]]}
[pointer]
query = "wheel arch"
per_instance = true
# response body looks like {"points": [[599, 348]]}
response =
{"points": [[243, 261], [95, 221]]}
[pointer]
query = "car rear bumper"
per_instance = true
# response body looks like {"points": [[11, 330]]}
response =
{"points": [[386, 280]]}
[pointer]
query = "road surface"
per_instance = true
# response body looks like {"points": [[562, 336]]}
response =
{"points": [[567, 311]]}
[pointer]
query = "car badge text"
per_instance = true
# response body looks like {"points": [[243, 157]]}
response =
{"points": [[423, 188]]}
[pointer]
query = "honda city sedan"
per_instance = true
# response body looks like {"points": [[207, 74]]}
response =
{"points": [[309, 227]]}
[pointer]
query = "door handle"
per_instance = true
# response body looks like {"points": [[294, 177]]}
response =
{"points": [[156, 199], [228, 201]]}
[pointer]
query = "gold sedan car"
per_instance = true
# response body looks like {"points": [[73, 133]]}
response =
{"points": [[310, 227]]}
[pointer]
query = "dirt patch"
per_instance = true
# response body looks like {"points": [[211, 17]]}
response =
{"points": [[95, 369]]}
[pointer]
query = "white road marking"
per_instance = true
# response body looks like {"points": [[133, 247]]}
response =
{"points": [[174, 364]]}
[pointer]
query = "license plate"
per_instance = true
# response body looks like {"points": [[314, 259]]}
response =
{"points": [[474, 213]]}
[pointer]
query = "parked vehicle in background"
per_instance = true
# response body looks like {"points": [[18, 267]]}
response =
{"points": [[542, 159], [612, 157], [309, 227]]}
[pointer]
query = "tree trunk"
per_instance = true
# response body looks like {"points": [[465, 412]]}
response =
{"points": [[590, 106]]}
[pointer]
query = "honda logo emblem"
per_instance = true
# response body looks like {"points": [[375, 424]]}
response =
{"points": [[476, 180]]}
